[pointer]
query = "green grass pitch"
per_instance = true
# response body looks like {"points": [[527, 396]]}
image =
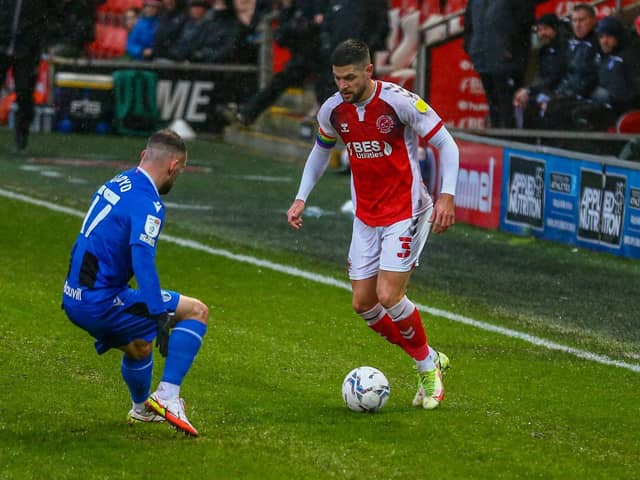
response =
{"points": [[265, 389]]}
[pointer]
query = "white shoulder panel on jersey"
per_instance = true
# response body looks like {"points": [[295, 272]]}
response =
{"points": [[410, 108], [324, 114]]}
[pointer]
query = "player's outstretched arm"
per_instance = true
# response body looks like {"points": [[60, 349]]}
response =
{"points": [[294, 214]]}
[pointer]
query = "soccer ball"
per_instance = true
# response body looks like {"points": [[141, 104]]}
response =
{"points": [[365, 389]]}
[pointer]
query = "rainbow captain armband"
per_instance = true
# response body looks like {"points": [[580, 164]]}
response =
{"points": [[324, 140]]}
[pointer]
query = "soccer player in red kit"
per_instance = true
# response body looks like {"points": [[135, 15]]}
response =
{"points": [[380, 123]]}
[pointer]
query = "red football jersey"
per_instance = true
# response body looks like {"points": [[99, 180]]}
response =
{"points": [[381, 136]]}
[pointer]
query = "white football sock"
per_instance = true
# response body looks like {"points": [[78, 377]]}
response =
{"points": [[428, 363], [168, 391]]}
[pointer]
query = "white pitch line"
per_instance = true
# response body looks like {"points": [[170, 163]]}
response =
{"points": [[326, 280]]}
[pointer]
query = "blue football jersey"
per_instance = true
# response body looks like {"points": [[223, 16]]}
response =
{"points": [[125, 212]]}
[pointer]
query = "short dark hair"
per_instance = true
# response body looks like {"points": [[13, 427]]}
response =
{"points": [[549, 20], [585, 7], [167, 139], [351, 52]]}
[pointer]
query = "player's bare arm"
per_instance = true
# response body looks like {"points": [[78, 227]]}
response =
{"points": [[444, 213], [294, 214]]}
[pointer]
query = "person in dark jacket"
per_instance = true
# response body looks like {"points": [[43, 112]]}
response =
{"points": [[249, 13], [73, 28], [23, 34], [219, 43], [552, 65], [617, 70], [193, 31], [497, 39], [298, 30], [365, 20], [170, 23], [581, 76]]}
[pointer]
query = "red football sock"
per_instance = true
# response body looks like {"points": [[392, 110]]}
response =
{"points": [[411, 328], [387, 329], [380, 322]]}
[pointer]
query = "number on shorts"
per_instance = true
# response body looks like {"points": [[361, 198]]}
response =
{"points": [[406, 247]]}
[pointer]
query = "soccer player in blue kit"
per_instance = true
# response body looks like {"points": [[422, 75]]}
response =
{"points": [[117, 241]]}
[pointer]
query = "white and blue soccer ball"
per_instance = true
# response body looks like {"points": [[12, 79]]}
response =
{"points": [[365, 389]]}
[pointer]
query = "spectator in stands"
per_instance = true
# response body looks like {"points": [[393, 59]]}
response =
{"points": [[141, 38], [298, 30], [581, 77], [72, 27], [497, 39], [23, 33], [249, 14], [131, 18], [552, 66], [581, 74], [219, 43], [193, 31], [617, 70], [170, 23], [365, 20]]}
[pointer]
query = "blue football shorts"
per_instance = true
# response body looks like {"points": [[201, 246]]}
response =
{"points": [[124, 320]]}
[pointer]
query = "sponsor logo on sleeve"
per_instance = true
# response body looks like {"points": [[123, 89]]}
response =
{"points": [[152, 226], [421, 105], [151, 230]]}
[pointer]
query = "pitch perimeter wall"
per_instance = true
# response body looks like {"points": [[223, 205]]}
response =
{"points": [[574, 198]]}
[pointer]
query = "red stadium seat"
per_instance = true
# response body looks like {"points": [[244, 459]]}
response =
{"points": [[629, 122], [95, 48], [118, 41], [120, 6], [455, 6], [110, 42]]}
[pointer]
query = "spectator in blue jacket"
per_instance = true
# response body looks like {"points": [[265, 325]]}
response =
{"points": [[615, 92], [141, 38]]}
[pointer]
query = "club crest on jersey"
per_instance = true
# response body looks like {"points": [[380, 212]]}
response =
{"points": [[385, 124], [152, 226], [344, 127]]}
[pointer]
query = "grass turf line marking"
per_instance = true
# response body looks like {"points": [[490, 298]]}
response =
{"points": [[326, 280]]}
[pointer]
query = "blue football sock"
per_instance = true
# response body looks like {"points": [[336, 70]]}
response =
{"points": [[137, 375], [184, 343]]}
